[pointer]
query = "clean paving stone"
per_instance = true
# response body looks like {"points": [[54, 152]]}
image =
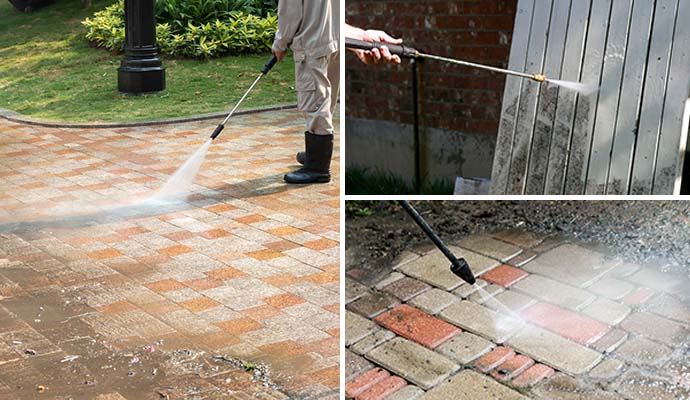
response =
{"points": [[637, 385], [409, 392], [481, 320], [490, 247], [610, 341], [532, 376], [373, 304], [611, 288], [504, 275], [434, 268], [417, 325], [607, 311], [466, 290], [655, 327], [465, 348], [406, 288], [554, 292], [554, 351], [607, 369], [434, 300], [511, 300], [583, 266], [641, 351], [656, 280], [413, 362], [671, 308], [471, 385], [486, 294], [565, 323], [357, 328]]}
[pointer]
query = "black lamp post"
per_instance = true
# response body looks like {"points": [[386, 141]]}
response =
{"points": [[141, 70]]}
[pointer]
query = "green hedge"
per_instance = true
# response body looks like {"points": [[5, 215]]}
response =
{"points": [[237, 32]]}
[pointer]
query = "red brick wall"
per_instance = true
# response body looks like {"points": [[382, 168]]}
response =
{"points": [[453, 97]]}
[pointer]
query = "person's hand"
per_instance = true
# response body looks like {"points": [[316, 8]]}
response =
{"points": [[279, 54], [376, 56]]}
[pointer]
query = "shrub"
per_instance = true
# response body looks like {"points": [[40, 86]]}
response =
{"points": [[214, 34]]}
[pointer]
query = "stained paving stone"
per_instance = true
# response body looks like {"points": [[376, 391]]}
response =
{"points": [[417, 325], [371, 341], [373, 304], [504, 275], [607, 311], [465, 348], [365, 381], [409, 392], [607, 369], [406, 288], [512, 368], [481, 321], [413, 362], [562, 386], [637, 385], [353, 290], [490, 247], [382, 389], [434, 268], [554, 292], [471, 385], [611, 341], [434, 301], [357, 328], [655, 327], [519, 238], [641, 351], [565, 323], [391, 278], [554, 351], [582, 269], [355, 365], [532, 376], [611, 288], [493, 359]]}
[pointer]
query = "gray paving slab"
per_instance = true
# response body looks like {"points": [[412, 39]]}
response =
{"points": [[481, 321], [490, 247], [554, 292], [413, 362], [434, 300], [583, 266], [471, 385], [465, 348], [357, 328], [607, 311]]}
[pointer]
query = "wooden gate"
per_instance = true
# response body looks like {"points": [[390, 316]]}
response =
{"points": [[630, 136]]}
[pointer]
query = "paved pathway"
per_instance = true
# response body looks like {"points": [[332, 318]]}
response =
{"points": [[103, 295], [554, 320]]}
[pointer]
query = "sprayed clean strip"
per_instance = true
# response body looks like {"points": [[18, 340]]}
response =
{"points": [[180, 182], [582, 88]]}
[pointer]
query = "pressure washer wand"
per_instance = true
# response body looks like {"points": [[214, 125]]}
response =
{"points": [[409, 52], [458, 265], [267, 67]]}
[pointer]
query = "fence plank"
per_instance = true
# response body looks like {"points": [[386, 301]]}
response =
{"points": [[565, 113], [625, 132], [538, 156], [511, 97]]}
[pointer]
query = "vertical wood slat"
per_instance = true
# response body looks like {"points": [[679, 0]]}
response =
{"points": [[565, 113], [605, 124], [673, 138], [586, 109], [625, 131], [511, 97], [527, 107], [538, 153], [653, 97]]}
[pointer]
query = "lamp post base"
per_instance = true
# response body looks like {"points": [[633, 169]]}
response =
{"points": [[140, 80]]}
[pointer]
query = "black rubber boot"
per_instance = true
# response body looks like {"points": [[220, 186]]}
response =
{"points": [[301, 157], [317, 163]]}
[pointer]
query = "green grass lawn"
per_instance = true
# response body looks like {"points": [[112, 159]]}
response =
{"points": [[48, 70]]}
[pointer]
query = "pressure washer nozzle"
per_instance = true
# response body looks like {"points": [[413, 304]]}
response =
{"points": [[461, 269], [539, 78]]}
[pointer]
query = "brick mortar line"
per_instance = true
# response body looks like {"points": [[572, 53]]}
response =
{"points": [[12, 116]]}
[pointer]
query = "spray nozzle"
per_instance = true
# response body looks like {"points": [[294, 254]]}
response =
{"points": [[462, 270], [539, 78]]}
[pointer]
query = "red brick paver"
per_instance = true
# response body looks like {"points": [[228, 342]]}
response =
{"points": [[639, 296], [565, 323], [504, 275], [513, 367], [494, 358], [417, 325], [364, 381], [382, 389], [532, 376]]}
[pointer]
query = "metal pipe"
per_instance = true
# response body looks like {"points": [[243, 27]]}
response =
{"points": [[459, 266]]}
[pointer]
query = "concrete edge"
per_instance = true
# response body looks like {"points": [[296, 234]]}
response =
{"points": [[19, 118]]}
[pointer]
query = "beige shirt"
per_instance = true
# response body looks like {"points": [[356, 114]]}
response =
{"points": [[310, 27]]}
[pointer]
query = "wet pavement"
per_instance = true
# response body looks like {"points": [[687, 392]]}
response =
{"points": [[229, 292], [555, 318]]}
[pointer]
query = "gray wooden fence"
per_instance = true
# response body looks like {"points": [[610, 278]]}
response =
{"points": [[630, 136]]}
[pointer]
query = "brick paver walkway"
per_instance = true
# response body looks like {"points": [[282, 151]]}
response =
{"points": [[100, 295], [557, 320]]}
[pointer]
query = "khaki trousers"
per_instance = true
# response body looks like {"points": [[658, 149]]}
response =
{"points": [[317, 81]]}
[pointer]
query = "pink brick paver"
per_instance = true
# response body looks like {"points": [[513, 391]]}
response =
{"points": [[239, 264], [364, 381], [639, 296], [417, 325], [494, 358], [565, 323], [504, 275], [382, 389], [511, 368], [533, 375]]}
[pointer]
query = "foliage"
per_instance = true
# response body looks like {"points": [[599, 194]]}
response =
{"points": [[360, 181], [196, 28]]}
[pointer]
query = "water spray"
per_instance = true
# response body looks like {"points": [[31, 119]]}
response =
{"points": [[458, 266], [267, 67], [409, 52]]}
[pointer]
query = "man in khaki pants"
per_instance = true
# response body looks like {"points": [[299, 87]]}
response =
{"points": [[311, 28]]}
